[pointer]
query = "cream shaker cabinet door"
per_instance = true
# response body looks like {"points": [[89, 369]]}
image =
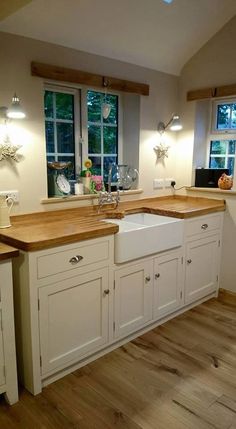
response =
{"points": [[168, 283], [73, 318], [201, 275], [133, 297], [2, 361]]}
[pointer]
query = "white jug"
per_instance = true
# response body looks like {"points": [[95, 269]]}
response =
{"points": [[6, 204]]}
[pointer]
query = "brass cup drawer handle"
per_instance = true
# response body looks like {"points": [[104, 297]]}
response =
{"points": [[147, 279], [157, 276], [189, 261], [204, 226], [106, 292], [75, 259]]}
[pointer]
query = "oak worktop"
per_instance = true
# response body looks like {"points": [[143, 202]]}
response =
{"points": [[35, 231], [7, 252]]}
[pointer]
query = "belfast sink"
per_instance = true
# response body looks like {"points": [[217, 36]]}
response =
{"points": [[144, 234]]}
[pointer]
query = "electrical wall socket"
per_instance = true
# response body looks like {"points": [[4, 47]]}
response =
{"points": [[158, 183], [168, 182], [13, 194]]}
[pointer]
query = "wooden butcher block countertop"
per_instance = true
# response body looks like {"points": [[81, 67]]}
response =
{"points": [[48, 229], [7, 252]]}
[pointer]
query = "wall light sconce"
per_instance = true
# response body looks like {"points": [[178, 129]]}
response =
{"points": [[174, 124], [15, 110], [9, 151]]}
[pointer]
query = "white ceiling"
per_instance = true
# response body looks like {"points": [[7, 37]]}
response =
{"points": [[149, 33]]}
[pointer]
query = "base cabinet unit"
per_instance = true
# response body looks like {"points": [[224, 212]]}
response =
{"points": [[133, 297], [168, 291], [73, 303], [8, 374], [73, 319], [202, 267]]}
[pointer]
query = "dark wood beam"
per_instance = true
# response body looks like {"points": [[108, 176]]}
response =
{"points": [[48, 71], [218, 91]]}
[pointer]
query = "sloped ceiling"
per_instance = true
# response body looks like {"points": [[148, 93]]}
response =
{"points": [[149, 33]]}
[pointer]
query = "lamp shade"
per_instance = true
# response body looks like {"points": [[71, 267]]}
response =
{"points": [[15, 110], [175, 124]]}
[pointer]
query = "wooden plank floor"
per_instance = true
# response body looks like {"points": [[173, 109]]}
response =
{"points": [[181, 375]]}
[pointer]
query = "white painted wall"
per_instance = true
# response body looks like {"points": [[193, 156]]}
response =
{"points": [[213, 65], [29, 176]]}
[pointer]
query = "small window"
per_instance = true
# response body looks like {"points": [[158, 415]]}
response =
{"points": [[225, 116], [222, 154], [102, 133], [221, 147]]}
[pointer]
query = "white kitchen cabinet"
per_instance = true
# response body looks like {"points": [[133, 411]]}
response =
{"points": [[73, 319], [8, 374], [168, 283], [202, 270], [63, 308], [133, 297]]}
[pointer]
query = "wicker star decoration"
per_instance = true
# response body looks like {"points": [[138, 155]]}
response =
{"points": [[9, 150], [161, 151]]}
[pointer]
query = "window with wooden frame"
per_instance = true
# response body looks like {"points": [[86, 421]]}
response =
{"points": [[75, 128], [223, 135]]}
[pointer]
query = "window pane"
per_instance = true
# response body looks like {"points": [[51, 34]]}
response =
{"points": [[48, 104], [70, 171], [223, 116], [217, 162], [64, 106], [233, 121], [113, 101], [50, 158], [65, 137], [110, 139], [49, 136], [94, 139], [230, 165], [231, 149], [94, 106], [218, 147], [106, 163], [96, 167]]}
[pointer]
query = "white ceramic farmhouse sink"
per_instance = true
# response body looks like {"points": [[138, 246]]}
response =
{"points": [[143, 234]]}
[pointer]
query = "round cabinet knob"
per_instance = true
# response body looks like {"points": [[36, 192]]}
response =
{"points": [[204, 226], [106, 292], [147, 279], [189, 261], [157, 276]]}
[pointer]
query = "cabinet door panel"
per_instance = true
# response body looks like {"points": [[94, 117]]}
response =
{"points": [[133, 297], [201, 268], [2, 363], [73, 318], [168, 283]]}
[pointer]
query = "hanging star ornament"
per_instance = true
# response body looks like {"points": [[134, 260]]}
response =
{"points": [[161, 151], [9, 150]]}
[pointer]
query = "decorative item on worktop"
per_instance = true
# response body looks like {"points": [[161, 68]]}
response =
{"points": [[96, 185], [58, 184], [85, 176], [225, 182], [6, 204]]}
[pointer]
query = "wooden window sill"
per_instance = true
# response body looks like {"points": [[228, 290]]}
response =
{"points": [[211, 190], [70, 198]]}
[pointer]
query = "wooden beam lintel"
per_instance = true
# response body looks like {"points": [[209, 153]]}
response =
{"points": [[214, 92], [64, 74]]}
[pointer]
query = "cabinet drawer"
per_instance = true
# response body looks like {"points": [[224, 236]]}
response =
{"points": [[66, 260], [202, 225]]}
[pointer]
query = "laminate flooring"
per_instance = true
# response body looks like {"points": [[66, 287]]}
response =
{"points": [[181, 375]]}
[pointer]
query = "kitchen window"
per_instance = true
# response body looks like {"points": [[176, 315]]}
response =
{"points": [[67, 112], [223, 135]]}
